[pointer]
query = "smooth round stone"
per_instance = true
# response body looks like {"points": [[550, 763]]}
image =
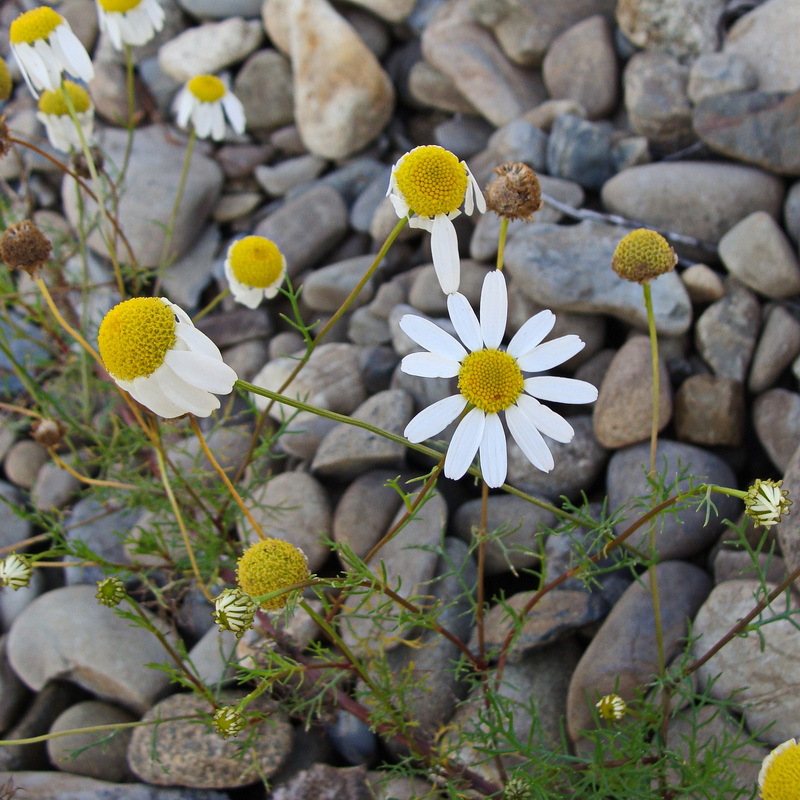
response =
{"points": [[758, 672], [464, 135], [426, 293], [196, 755], [264, 85], [292, 506], [433, 89], [778, 346], [13, 528], [514, 527], [519, 140], [732, 565], [623, 655], [23, 462], [623, 412], [232, 207], [758, 253], [788, 529], [702, 283], [325, 289], [720, 73], [710, 410], [776, 415], [13, 692], [66, 634], [279, 180], [210, 657], [188, 276], [106, 762], [685, 532], [791, 211], [580, 151], [323, 780], [698, 198], [211, 9]]}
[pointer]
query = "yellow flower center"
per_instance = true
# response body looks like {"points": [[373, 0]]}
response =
{"points": [[491, 380], [118, 6], [53, 102], [642, 255], [256, 261], [135, 336], [269, 565], [780, 777], [206, 88], [34, 25], [432, 180]]}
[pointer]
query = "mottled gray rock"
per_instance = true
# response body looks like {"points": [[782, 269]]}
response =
{"points": [[325, 289], [389, 10], [23, 462], [778, 346], [776, 415], [464, 135], [725, 333], [697, 198], [307, 227], [107, 761], [720, 73], [291, 173], [292, 506], [729, 565], [342, 96], [788, 530], [685, 532], [623, 412], [213, 656], [791, 211], [757, 671], [210, 47], [232, 207], [710, 410], [755, 127], [678, 27], [347, 451], [325, 782], [264, 85], [765, 37], [514, 526], [622, 656], [569, 268], [66, 634], [13, 692], [433, 89], [197, 756], [399, 787], [151, 185], [426, 294], [581, 65], [657, 101], [580, 151]]}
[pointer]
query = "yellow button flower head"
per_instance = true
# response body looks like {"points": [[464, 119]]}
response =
{"points": [[643, 255], [132, 22], [490, 380], [45, 47], [270, 565], [151, 348], [428, 185], [6, 83], [206, 101], [779, 778], [255, 268], [611, 707], [54, 115]]}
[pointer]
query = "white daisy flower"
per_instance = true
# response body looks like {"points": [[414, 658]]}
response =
{"points": [[151, 348], [255, 268], [132, 22], [428, 185], [45, 47], [206, 101], [490, 380], [54, 115]]}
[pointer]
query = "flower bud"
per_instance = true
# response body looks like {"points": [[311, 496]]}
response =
{"points": [[234, 611], [15, 571], [228, 722], [110, 592], [643, 255], [766, 502], [611, 707]]}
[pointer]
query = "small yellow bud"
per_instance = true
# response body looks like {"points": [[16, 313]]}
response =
{"points": [[643, 255], [766, 502]]}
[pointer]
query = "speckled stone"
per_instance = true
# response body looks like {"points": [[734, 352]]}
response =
{"points": [[710, 410]]}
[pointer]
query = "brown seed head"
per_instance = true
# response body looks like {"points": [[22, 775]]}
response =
{"points": [[515, 193], [47, 432], [643, 255], [24, 246]]}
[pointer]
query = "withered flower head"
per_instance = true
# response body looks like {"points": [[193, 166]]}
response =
{"points": [[24, 246], [80, 165], [47, 432], [515, 193]]}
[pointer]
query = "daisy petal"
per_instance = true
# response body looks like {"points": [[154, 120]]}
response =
{"points": [[434, 419], [191, 399], [530, 441], [429, 365], [545, 419], [551, 354], [444, 249], [148, 393], [560, 390], [464, 321], [494, 309], [493, 456], [464, 444], [196, 340], [480, 199], [209, 374], [531, 333], [430, 336], [234, 111]]}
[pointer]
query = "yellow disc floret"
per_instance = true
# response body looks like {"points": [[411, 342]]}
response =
{"points": [[53, 102], [135, 336], [270, 565], [6, 83], [118, 6], [256, 261], [490, 380], [206, 88], [779, 778], [33, 25], [432, 180], [643, 255]]}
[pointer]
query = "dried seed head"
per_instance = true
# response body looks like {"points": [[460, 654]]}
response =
{"points": [[47, 432], [643, 255], [80, 166], [5, 144], [24, 246], [515, 193]]}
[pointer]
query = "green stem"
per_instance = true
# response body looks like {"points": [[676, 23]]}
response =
{"points": [[212, 305], [129, 85], [651, 326], [501, 242]]}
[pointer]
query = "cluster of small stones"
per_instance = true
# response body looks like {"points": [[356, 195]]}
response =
{"points": [[683, 115]]}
